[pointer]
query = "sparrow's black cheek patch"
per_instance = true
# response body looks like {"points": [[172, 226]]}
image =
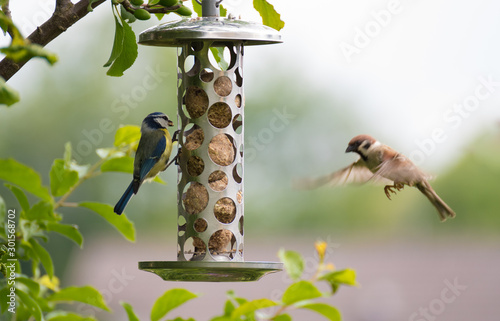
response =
{"points": [[367, 145], [362, 156]]}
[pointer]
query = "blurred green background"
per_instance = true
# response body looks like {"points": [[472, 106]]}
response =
{"points": [[328, 100]]}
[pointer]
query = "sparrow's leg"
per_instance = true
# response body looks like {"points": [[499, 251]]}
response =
{"points": [[389, 188]]}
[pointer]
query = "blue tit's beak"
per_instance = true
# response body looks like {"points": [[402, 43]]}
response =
{"points": [[170, 123]]}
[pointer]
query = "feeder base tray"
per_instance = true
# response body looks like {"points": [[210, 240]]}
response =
{"points": [[210, 271]]}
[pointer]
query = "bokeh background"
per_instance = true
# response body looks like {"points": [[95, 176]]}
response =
{"points": [[423, 77]]}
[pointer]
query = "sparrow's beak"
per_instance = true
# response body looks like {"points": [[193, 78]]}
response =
{"points": [[350, 148]]}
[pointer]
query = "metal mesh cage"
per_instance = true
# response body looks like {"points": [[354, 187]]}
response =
{"points": [[210, 186]]}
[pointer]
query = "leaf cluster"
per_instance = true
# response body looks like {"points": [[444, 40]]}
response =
{"points": [[19, 50], [37, 290]]}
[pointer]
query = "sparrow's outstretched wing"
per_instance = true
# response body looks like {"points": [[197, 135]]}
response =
{"points": [[357, 172]]}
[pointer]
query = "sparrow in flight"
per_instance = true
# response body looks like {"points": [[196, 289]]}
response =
{"points": [[381, 163]]}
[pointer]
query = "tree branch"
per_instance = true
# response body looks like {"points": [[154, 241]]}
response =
{"points": [[65, 15]]}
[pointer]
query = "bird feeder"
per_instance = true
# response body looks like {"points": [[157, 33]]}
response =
{"points": [[211, 159]]}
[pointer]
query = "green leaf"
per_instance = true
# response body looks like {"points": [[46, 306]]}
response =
{"points": [[293, 262], [231, 295], [71, 165], [130, 311], [69, 231], [84, 294], [300, 291], [127, 135], [228, 308], [120, 222], [159, 16], [127, 16], [62, 178], [42, 211], [65, 316], [44, 256], [24, 52], [30, 229], [117, 43], [8, 96], [6, 24], [4, 21], [128, 54], [169, 301], [221, 318], [181, 319], [89, 7], [3, 303], [196, 7], [223, 11], [337, 278], [269, 15], [30, 304], [249, 308], [122, 164], [326, 310], [282, 317], [33, 286], [24, 177], [218, 53], [67, 153], [21, 197]]}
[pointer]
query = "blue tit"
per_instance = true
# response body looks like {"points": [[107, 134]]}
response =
{"points": [[152, 154]]}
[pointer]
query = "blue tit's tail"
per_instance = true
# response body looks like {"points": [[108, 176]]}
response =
{"points": [[122, 203]]}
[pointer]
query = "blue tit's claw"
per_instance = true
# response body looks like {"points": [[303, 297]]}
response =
{"points": [[175, 137]]}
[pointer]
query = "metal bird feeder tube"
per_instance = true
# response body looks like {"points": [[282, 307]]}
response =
{"points": [[211, 160]]}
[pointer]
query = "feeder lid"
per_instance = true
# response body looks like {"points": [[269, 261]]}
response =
{"points": [[175, 34]]}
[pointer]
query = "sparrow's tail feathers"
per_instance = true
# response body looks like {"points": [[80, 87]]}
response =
{"points": [[122, 203], [443, 209]]}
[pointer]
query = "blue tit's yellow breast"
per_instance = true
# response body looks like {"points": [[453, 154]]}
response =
{"points": [[168, 144]]}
